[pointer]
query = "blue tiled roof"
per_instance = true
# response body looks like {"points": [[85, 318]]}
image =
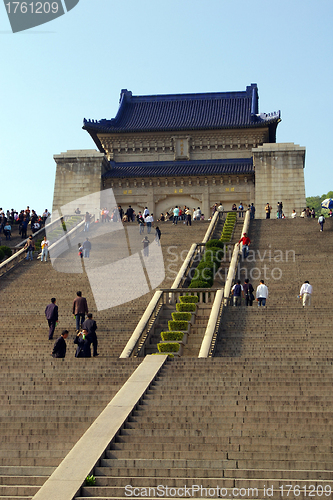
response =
{"points": [[179, 168], [181, 112]]}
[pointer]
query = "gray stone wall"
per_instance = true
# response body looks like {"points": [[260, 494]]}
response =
{"points": [[279, 176], [160, 194], [204, 145], [78, 174]]}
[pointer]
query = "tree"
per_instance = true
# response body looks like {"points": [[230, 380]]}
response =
{"points": [[315, 202]]}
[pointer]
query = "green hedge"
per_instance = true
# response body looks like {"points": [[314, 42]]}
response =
{"points": [[186, 299], [177, 325], [228, 228], [172, 335], [169, 347], [2, 254], [214, 255], [6, 250], [186, 307], [214, 243], [181, 316], [199, 284], [206, 264]]}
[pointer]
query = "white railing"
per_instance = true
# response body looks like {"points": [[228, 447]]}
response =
{"points": [[212, 326], [19, 256], [234, 261]]}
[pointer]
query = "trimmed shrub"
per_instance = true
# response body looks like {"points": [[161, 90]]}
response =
{"points": [[177, 325], [199, 284], [186, 307], [172, 335], [181, 316], [205, 274], [169, 347], [214, 255], [214, 243], [6, 250], [189, 299], [2, 254]]}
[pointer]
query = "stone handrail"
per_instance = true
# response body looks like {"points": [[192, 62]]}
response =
{"points": [[147, 322], [212, 226], [18, 256], [142, 329], [193, 255], [12, 261], [234, 259], [212, 326], [67, 236]]}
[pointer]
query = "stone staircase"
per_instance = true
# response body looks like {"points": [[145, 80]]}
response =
{"points": [[47, 404], [198, 329], [255, 420]]}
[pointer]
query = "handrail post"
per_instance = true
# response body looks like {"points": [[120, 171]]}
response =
{"points": [[141, 325], [207, 340], [233, 263]]}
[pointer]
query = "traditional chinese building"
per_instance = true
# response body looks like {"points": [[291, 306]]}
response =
{"points": [[186, 149]]}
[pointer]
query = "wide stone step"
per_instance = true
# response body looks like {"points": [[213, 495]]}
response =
{"points": [[219, 455]]}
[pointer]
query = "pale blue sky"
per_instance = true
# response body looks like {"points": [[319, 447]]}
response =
{"points": [[74, 67]]}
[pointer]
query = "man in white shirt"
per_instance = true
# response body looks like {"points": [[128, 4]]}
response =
{"points": [[175, 215], [45, 249], [261, 294], [306, 292], [149, 220]]}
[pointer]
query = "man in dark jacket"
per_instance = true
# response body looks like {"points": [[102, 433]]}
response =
{"points": [[83, 341], [51, 313], [91, 326], [59, 348], [80, 309], [129, 213]]}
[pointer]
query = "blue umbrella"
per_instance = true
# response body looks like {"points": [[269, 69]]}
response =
{"points": [[328, 203]]}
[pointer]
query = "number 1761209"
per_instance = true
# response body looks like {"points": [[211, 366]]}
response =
{"points": [[32, 7]]}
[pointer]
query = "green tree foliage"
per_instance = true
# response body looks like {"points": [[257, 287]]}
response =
{"points": [[315, 202]]}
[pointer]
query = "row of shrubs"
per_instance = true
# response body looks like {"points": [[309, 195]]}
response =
{"points": [[5, 252], [178, 326], [228, 227], [204, 273], [55, 234], [214, 251]]}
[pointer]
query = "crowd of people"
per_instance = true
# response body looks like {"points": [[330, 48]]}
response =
{"points": [[85, 329], [246, 292], [24, 219], [307, 212]]}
